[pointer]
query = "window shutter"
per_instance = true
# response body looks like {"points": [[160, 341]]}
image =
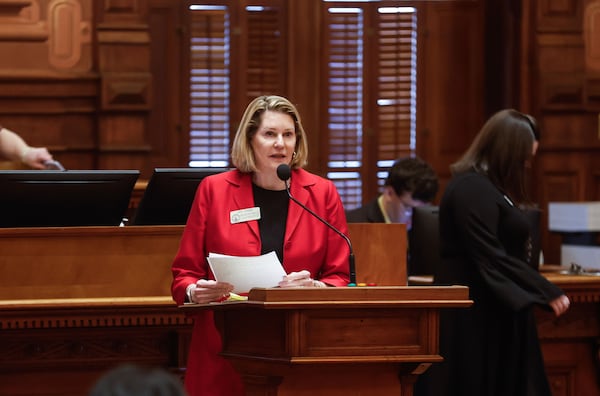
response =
{"points": [[344, 117], [381, 66], [396, 98], [390, 87], [209, 86], [265, 56]]}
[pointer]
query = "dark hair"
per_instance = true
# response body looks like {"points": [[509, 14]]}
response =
{"points": [[501, 150], [415, 176], [133, 380]]}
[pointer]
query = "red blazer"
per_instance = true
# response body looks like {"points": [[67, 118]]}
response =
{"points": [[308, 245]]}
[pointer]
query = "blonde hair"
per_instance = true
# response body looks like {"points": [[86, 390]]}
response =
{"points": [[242, 154]]}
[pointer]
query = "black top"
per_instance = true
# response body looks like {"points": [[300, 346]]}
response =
{"points": [[273, 217]]}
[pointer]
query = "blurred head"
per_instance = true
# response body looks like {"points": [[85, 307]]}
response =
{"points": [[411, 182], [414, 176], [502, 150], [132, 380], [243, 153]]}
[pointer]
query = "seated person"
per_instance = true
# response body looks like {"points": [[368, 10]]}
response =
{"points": [[411, 182], [14, 148]]}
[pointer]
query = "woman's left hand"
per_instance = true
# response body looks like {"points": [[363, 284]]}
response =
{"points": [[299, 279], [560, 305]]}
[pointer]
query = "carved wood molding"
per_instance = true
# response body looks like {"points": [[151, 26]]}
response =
{"points": [[126, 91], [68, 33], [77, 348], [93, 317], [591, 29], [14, 7], [20, 21], [580, 289]]}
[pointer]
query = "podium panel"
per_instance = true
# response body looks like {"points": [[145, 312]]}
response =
{"points": [[334, 341]]}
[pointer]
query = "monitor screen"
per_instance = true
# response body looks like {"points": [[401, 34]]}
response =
{"points": [[169, 195], [424, 241], [49, 198]]}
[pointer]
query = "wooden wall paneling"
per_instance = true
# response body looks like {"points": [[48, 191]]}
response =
{"points": [[591, 34], [561, 82], [125, 12], [560, 88], [20, 21], [55, 113], [560, 178], [304, 54], [450, 89], [123, 51], [48, 87], [69, 34], [564, 131], [168, 127], [559, 15]]}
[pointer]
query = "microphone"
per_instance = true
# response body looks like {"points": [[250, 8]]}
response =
{"points": [[284, 173]]}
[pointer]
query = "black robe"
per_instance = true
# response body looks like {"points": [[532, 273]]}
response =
{"points": [[491, 348]]}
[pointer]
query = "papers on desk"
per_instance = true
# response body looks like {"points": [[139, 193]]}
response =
{"points": [[244, 273]]}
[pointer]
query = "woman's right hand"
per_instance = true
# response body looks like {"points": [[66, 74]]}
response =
{"points": [[206, 291], [560, 305]]}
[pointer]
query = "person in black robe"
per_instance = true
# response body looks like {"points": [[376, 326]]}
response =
{"points": [[492, 347]]}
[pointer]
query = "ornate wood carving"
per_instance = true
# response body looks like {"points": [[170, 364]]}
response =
{"points": [[126, 91], [68, 32], [559, 15], [20, 21], [591, 34]]}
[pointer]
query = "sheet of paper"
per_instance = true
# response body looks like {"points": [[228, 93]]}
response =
{"points": [[244, 273]]}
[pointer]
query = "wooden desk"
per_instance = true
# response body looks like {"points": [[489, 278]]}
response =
{"points": [[77, 301], [570, 343], [65, 316]]}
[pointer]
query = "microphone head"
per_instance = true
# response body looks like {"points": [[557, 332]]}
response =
{"points": [[284, 172]]}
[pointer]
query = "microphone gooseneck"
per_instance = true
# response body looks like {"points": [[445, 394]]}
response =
{"points": [[284, 173]]}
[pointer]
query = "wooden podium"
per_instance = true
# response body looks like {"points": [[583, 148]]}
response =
{"points": [[334, 341]]}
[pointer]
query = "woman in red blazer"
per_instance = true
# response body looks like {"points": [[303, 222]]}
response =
{"points": [[247, 212]]}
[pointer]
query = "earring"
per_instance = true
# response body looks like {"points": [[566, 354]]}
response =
{"points": [[293, 155]]}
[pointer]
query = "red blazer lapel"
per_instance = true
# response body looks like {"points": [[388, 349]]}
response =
{"points": [[243, 198], [299, 185]]}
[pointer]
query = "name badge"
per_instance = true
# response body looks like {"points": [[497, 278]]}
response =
{"points": [[243, 215]]}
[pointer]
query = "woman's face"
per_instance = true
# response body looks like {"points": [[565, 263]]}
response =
{"points": [[274, 141]]}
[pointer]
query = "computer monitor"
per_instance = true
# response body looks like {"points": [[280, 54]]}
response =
{"points": [[424, 241], [169, 195], [49, 198]]}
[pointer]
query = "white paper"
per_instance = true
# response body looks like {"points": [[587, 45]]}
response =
{"points": [[244, 273]]}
